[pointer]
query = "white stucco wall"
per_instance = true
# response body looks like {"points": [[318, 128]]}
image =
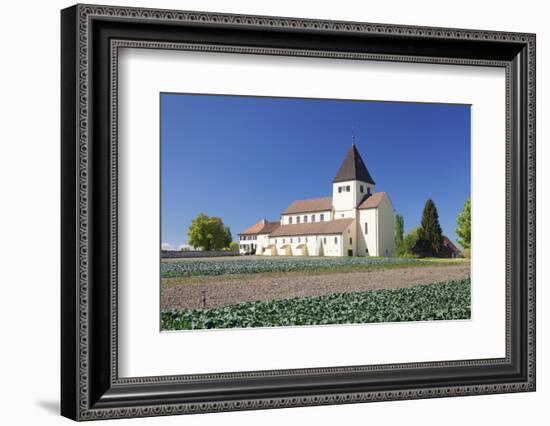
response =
{"points": [[345, 214], [246, 243], [317, 245], [349, 240], [368, 240], [379, 240], [262, 243], [386, 228], [332, 245], [346, 201], [311, 217], [311, 241]]}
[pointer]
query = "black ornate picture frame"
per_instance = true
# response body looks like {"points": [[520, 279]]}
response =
{"points": [[91, 36]]}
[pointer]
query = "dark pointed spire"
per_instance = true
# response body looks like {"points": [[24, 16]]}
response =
{"points": [[353, 168]]}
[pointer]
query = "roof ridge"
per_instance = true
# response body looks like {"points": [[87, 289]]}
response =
{"points": [[307, 205], [314, 198]]}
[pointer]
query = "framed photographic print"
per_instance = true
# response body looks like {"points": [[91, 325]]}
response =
{"points": [[263, 212]]}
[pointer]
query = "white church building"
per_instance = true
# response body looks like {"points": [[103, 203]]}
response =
{"points": [[355, 221]]}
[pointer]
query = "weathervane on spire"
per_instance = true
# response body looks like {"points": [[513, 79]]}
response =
{"points": [[352, 135]]}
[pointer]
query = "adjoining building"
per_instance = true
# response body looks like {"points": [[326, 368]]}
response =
{"points": [[256, 235], [449, 250], [355, 221]]}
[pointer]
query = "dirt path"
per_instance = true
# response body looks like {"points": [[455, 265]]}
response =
{"points": [[282, 286]]}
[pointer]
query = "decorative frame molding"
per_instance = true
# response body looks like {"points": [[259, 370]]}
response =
{"points": [[91, 37]]}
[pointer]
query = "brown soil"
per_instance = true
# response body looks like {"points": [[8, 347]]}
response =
{"points": [[253, 287]]}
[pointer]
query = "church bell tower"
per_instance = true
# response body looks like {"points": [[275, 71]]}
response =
{"points": [[351, 185]]}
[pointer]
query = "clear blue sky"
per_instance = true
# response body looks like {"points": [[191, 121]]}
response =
{"points": [[247, 158]]}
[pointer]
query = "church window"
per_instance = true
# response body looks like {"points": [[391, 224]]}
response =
{"points": [[324, 240], [297, 219], [339, 189], [313, 218], [322, 217], [347, 188], [368, 190], [335, 240], [298, 239], [361, 188], [366, 228], [350, 241], [283, 240], [305, 218], [291, 241], [290, 220]]}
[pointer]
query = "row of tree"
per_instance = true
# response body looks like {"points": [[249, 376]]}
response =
{"points": [[426, 240]]}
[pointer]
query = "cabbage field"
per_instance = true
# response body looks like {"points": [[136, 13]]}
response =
{"points": [[439, 301], [256, 265]]}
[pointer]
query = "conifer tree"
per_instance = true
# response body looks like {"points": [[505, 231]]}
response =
{"points": [[399, 230], [430, 236]]}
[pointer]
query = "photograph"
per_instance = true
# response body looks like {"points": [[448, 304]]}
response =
{"points": [[280, 212]]}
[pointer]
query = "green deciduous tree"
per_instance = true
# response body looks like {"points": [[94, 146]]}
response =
{"points": [[464, 228], [399, 230], [408, 245], [208, 233], [430, 236]]}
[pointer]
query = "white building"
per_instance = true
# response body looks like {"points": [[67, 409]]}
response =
{"points": [[355, 221]]}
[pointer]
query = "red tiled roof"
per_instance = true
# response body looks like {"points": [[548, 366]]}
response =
{"points": [[262, 227], [269, 227], [372, 201], [449, 244], [310, 205], [337, 226]]}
